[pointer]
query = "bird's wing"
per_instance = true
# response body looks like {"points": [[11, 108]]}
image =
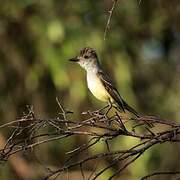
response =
{"points": [[109, 86]]}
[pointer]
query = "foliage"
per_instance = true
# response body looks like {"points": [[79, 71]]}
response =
{"points": [[141, 52]]}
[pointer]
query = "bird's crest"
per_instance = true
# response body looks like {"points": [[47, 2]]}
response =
{"points": [[88, 52]]}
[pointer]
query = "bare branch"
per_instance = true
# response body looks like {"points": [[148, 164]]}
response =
{"points": [[30, 132], [109, 18], [160, 173]]}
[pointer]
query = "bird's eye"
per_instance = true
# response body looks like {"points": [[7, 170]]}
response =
{"points": [[86, 57]]}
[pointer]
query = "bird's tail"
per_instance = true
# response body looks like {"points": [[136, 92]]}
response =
{"points": [[130, 109]]}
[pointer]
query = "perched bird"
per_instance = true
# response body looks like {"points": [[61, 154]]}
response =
{"points": [[98, 82]]}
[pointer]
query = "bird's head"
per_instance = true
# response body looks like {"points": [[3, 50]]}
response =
{"points": [[87, 58]]}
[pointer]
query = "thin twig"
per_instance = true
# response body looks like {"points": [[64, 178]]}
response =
{"points": [[160, 173], [30, 132], [109, 18]]}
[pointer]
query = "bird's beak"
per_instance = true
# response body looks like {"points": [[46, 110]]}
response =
{"points": [[75, 59]]}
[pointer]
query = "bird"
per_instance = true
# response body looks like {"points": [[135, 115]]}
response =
{"points": [[98, 82]]}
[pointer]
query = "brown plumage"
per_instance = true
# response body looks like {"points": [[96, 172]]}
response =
{"points": [[109, 86]]}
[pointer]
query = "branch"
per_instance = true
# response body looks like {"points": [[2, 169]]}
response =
{"points": [[160, 173], [109, 18], [30, 132]]}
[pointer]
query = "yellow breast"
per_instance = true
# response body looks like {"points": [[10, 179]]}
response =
{"points": [[96, 87]]}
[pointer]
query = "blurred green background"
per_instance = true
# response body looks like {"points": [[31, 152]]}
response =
{"points": [[141, 52]]}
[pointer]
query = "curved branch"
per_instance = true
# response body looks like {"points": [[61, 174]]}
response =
{"points": [[26, 133]]}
